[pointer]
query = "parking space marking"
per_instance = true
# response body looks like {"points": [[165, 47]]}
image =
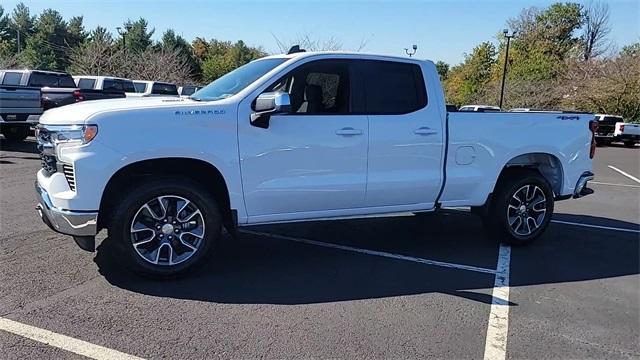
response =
{"points": [[596, 226], [610, 184], [373, 252], [495, 347], [625, 174], [63, 342]]}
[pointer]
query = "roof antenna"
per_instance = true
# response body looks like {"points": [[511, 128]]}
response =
{"points": [[295, 49]]}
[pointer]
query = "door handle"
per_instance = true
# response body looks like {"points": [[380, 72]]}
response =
{"points": [[425, 131], [348, 131]]}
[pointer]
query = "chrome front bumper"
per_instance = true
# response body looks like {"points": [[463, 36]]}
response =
{"points": [[74, 223]]}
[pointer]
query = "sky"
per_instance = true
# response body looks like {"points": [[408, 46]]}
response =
{"points": [[442, 30]]}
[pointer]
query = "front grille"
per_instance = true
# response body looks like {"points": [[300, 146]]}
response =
{"points": [[45, 147], [70, 175]]}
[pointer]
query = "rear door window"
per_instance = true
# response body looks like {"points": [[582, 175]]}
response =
{"points": [[127, 86], [393, 87], [11, 78], [140, 86], [86, 83]]}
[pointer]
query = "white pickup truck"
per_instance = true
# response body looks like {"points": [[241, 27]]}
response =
{"points": [[298, 137]]}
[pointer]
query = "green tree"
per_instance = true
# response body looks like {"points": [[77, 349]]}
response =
{"points": [[138, 37], [631, 50], [76, 35], [23, 22], [443, 70], [47, 48], [466, 81], [223, 56], [545, 39]]}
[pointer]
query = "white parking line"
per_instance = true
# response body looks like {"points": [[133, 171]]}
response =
{"points": [[495, 346], [596, 226], [63, 342], [625, 174], [610, 184], [373, 252]]}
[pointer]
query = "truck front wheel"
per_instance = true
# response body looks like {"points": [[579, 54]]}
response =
{"points": [[165, 227], [521, 208]]}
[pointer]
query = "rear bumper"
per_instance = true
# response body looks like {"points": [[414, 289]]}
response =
{"points": [[629, 137], [31, 120], [74, 223], [581, 188]]}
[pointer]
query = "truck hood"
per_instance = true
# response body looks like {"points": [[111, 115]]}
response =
{"points": [[80, 112]]}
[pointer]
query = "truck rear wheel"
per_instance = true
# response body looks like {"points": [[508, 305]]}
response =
{"points": [[630, 143], [165, 227], [15, 133], [521, 208]]}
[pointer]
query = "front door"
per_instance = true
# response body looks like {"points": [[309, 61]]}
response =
{"points": [[311, 162]]}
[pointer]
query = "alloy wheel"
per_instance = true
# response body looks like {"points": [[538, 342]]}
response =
{"points": [[526, 210], [167, 230]]}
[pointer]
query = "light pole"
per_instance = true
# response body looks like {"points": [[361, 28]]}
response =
{"points": [[506, 59], [123, 33], [414, 47]]}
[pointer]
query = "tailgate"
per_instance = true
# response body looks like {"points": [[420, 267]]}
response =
{"points": [[15, 98]]}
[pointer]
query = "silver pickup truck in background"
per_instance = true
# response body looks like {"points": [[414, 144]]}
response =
{"points": [[20, 108]]}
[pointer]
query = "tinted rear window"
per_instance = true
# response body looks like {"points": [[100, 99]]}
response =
{"points": [[11, 78], [140, 87], [51, 80], [86, 83], [164, 89], [188, 90], [393, 87]]}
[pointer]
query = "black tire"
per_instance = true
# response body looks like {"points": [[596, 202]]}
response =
{"points": [[630, 143], [15, 133], [120, 226], [508, 191]]}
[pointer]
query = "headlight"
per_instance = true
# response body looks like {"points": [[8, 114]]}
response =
{"points": [[74, 134]]}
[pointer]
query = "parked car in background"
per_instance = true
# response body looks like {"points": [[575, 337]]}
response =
{"points": [[627, 133], [302, 136], [155, 88], [479, 108], [188, 90], [606, 128], [105, 83], [20, 108], [56, 88]]}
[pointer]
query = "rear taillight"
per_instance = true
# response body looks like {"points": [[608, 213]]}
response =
{"points": [[621, 127], [593, 126], [78, 95]]}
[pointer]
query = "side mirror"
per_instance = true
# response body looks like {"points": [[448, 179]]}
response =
{"points": [[267, 104]]}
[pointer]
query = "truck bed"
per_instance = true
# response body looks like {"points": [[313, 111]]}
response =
{"points": [[481, 144]]}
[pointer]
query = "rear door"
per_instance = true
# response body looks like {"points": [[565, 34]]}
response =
{"points": [[405, 135], [311, 162]]}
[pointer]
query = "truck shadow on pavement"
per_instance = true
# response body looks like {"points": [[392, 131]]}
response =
{"points": [[256, 269]]}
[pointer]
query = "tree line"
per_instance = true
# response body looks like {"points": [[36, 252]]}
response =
{"points": [[560, 58], [49, 42]]}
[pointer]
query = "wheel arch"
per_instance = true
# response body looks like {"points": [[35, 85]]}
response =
{"points": [[205, 173], [547, 165]]}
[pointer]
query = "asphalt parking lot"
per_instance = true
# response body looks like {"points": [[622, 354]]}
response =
{"points": [[427, 286]]}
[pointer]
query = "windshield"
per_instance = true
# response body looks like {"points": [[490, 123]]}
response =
{"points": [[233, 82]]}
